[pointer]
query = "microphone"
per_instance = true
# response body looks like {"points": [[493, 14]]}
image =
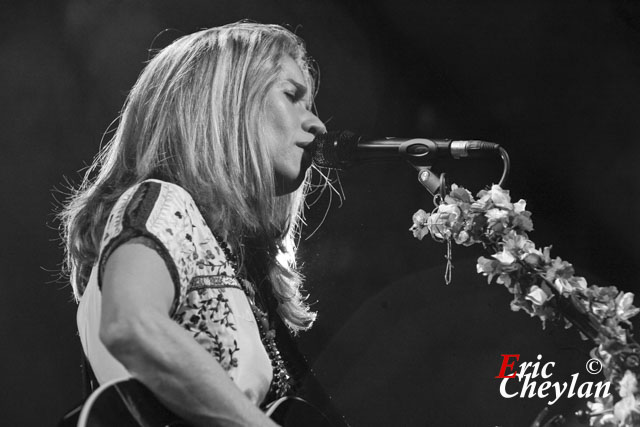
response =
{"points": [[339, 149]]}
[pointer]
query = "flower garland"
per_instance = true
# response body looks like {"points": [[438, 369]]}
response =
{"points": [[543, 286]]}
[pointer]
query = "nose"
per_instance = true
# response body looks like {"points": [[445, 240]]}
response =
{"points": [[312, 124]]}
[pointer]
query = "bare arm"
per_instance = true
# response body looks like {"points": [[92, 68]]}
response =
{"points": [[137, 293]]}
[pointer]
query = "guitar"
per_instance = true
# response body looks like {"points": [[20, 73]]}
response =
{"points": [[128, 403]]}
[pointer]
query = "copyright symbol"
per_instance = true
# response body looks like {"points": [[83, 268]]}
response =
{"points": [[594, 366]]}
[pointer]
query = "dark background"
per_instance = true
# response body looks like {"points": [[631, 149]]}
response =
{"points": [[556, 83]]}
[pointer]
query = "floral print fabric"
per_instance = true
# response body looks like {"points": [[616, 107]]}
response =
{"points": [[209, 301]]}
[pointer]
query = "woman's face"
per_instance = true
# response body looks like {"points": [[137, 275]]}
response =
{"points": [[289, 127]]}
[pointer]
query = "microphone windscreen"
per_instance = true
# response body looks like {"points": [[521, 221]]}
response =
{"points": [[335, 149]]}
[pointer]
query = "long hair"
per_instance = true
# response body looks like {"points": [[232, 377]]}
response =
{"points": [[194, 118]]}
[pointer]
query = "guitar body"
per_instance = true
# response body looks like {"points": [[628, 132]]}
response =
{"points": [[128, 403]]}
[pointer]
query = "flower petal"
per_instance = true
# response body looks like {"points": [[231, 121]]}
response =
{"points": [[505, 257], [536, 295]]}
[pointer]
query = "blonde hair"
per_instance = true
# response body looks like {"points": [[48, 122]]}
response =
{"points": [[194, 118]]}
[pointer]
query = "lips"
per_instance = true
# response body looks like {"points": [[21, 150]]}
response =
{"points": [[304, 145]]}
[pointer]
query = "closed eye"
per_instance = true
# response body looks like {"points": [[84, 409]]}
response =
{"points": [[293, 96], [296, 92]]}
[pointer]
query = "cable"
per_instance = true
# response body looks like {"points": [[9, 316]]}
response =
{"points": [[506, 166]]}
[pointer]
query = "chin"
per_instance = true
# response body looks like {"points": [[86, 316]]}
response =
{"points": [[286, 184]]}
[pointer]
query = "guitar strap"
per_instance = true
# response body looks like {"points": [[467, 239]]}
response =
{"points": [[89, 380], [305, 383], [89, 384]]}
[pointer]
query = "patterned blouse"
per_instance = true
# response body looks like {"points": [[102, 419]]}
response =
{"points": [[209, 301]]}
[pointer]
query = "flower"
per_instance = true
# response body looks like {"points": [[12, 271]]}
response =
{"points": [[488, 267], [462, 237], [579, 282], [459, 195], [420, 218], [519, 244], [603, 410], [519, 206], [497, 196], [505, 257], [522, 221], [500, 197], [624, 306], [441, 222], [536, 295], [628, 384], [419, 228], [531, 259], [562, 286], [539, 283], [625, 408], [448, 213], [496, 214], [558, 268]]}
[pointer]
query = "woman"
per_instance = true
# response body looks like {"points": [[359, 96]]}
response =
{"points": [[181, 250]]}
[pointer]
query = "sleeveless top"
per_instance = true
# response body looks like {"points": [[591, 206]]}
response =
{"points": [[209, 300]]}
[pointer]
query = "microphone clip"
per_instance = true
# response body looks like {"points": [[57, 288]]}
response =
{"points": [[434, 183]]}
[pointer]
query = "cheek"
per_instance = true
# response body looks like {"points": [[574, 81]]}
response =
{"points": [[281, 119], [279, 126]]}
